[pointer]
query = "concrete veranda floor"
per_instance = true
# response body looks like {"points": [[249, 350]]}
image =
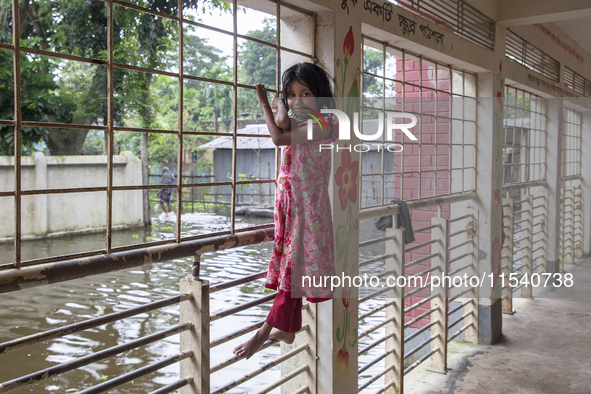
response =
{"points": [[546, 348]]}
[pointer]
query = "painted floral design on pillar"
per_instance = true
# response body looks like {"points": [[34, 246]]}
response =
{"points": [[346, 180], [353, 93]]}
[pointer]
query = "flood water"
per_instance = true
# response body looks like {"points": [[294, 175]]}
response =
{"points": [[42, 308]]}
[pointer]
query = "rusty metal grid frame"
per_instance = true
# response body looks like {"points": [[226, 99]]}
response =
{"points": [[110, 128], [577, 82], [454, 93], [458, 16], [520, 51], [531, 165]]}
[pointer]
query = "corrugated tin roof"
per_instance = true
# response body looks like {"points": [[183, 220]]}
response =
{"points": [[255, 143]]}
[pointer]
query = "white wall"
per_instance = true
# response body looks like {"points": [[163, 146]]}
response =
{"points": [[44, 214]]}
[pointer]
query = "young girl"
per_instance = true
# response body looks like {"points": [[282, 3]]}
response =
{"points": [[303, 244]]}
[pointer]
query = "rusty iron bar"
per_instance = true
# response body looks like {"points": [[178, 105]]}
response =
{"points": [[235, 359], [374, 241], [43, 274], [461, 294], [16, 54], [420, 230], [452, 273], [375, 327], [285, 378], [427, 271], [458, 258], [419, 331], [416, 290], [460, 232], [374, 294], [262, 368], [169, 388], [374, 378], [421, 259], [419, 347], [302, 390], [110, 133], [90, 323], [374, 260], [247, 305], [375, 361], [375, 343], [417, 304], [457, 308], [420, 360], [465, 315], [459, 218], [459, 332], [376, 310], [236, 282], [138, 373], [235, 334], [421, 245], [419, 317], [91, 358]]}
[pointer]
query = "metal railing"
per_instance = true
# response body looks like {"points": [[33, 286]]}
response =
{"points": [[15, 279], [416, 331]]}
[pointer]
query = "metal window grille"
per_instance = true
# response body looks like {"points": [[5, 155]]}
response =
{"points": [[183, 23], [571, 144], [524, 137], [577, 82], [457, 16], [522, 52], [443, 160]]}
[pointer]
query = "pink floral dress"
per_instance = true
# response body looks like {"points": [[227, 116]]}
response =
{"points": [[304, 242]]}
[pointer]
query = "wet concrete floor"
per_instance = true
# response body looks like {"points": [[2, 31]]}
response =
{"points": [[545, 348]]}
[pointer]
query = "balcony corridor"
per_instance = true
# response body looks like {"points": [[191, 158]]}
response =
{"points": [[544, 349]]}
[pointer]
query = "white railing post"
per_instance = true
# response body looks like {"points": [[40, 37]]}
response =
{"points": [[196, 311], [541, 220], [395, 345], [568, 228], [507, 254], [309, 357], [471, 308], [439, 302], [527, 218], [578, 221]]}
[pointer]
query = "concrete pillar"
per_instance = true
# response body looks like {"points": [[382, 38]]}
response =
{"points": [[489, 182], [554, 116], [41, 212], [586, 174], [440, 316], [341, 55]]}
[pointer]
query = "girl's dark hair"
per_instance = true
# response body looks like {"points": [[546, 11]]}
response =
{"points": [[314, 77]]}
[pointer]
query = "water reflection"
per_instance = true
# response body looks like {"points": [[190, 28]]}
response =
{"points": [[46, 307]]}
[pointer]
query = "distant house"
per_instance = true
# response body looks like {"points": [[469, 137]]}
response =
{"points": [[255, 160]]}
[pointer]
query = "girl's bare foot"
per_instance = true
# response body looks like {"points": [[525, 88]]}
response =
{"points": [[254, 344], [287, 337]]}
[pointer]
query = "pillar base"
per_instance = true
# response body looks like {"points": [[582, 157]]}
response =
{"points": [[490, 323], [553, 267]]}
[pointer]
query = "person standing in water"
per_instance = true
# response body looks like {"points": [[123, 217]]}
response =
{"points": [[165, 194]]}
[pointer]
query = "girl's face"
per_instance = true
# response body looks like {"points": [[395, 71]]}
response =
{"points": [[299, 96]]}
